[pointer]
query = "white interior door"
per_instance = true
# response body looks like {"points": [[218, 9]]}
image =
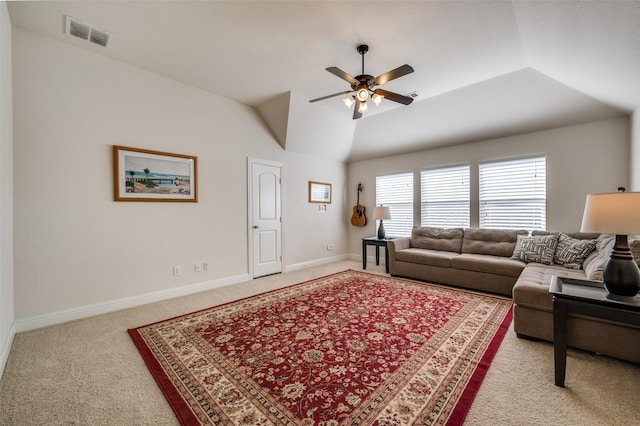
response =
{"points": [[265, 219]]}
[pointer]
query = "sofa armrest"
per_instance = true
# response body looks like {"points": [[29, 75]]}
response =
{"points": [[393, 246], [398, 244]]}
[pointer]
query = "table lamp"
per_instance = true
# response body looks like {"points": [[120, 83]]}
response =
{"points": [[381, 213], [616, 213]]}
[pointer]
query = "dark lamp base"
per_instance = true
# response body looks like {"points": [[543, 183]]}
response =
{"points": [[621, 274], [381, 231]]}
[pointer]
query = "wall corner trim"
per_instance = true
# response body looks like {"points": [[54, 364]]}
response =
{"points": [[5, 349]]}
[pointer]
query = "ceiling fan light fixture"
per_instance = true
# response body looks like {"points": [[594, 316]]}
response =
{"points": [[377, 99], [362, 94], [349, 101], [363, 107]]}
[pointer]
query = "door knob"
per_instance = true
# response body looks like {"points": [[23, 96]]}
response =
{"points": [[255, 227]]}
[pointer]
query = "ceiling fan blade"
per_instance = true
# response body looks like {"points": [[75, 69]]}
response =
{"points": [[393, 74], [356, 114], [331, 96], [405, 100], [343, 75]]}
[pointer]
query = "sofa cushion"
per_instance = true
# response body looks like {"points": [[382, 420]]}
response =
{"points": [[594, 263], [426, 257], [496, 242], [488, 264], [538, 248], [572, 252], [444, 239], [532, 288]]}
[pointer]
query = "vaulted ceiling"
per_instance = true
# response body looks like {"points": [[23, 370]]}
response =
{"points": [[482, 69]]}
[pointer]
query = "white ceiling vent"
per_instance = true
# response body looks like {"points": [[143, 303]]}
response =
{"points": [[77, 28]]}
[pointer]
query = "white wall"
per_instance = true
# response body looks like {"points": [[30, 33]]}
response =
{"points": [[76, 250], [7, 329], [581, 159], [318, 227], [635, 151]]}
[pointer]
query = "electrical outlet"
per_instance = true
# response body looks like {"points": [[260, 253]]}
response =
{"points": [[197, 267], [330, 247], [205, 266], [177, 271]]}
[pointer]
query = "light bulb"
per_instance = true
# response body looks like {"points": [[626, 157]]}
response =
{"points": [[363, 107], [349, 101], [377, 99], [362, 94]]}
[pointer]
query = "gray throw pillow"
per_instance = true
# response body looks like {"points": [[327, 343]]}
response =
{"points": [[572, 252], [539, 248]]}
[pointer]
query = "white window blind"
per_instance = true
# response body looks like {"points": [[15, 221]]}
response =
{"points": [[513, 194], [396, 192], [445, 197]]}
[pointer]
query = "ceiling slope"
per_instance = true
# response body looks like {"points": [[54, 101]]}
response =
{"points": [[255, 52], [522, 101], [591, 46]]}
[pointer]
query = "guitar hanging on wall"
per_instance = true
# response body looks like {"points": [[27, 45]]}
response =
{"points": [[358, 218]]}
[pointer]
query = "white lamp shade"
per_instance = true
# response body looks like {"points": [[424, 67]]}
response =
{"points": [[381, 213], [612, 213]]}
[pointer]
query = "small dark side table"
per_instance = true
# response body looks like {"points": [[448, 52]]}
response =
{"points": [[587, 298], [375, 241]]}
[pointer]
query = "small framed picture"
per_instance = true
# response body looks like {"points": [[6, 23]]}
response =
{"points": [[145, 175], [319, 192]]}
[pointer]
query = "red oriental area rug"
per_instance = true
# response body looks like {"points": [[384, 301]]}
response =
{"points": [[348, 349]]}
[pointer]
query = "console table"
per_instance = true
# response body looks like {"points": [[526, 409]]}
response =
{"points": [[377, 242], [587, 298]]}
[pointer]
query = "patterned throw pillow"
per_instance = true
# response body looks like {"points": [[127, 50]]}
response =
{"points": [[571, 252], [539, 248]]}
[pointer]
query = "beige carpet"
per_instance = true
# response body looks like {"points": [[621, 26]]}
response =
{"points": [[88, 372]]}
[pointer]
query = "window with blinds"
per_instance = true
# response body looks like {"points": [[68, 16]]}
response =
{"points": [[513, 194], [396, 192], [445, 197]]}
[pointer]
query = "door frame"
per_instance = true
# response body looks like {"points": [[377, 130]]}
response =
{"points": [[250, 162]]}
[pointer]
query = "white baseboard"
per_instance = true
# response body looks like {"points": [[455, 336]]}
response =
{"points": [[353, 256], [130, 302], [125, 303], [371, 260], [324, 260], [6, 348]]}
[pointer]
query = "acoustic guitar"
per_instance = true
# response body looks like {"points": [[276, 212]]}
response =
{"points": [[358, 218]]}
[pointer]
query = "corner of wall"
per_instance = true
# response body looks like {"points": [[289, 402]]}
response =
{"points": [[5, 348], [634, 167], [7, 316]]}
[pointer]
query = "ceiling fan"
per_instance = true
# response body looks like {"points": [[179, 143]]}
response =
{"points": [[364, 86]]}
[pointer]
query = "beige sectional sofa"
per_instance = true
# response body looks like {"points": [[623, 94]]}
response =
{"points": [[514, 263]]}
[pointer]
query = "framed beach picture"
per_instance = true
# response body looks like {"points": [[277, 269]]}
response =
{"points": [[319, 192], [144, 175]]}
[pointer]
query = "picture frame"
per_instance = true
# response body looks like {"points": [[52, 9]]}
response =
{"points": [[146, 175], [319, 192]]}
